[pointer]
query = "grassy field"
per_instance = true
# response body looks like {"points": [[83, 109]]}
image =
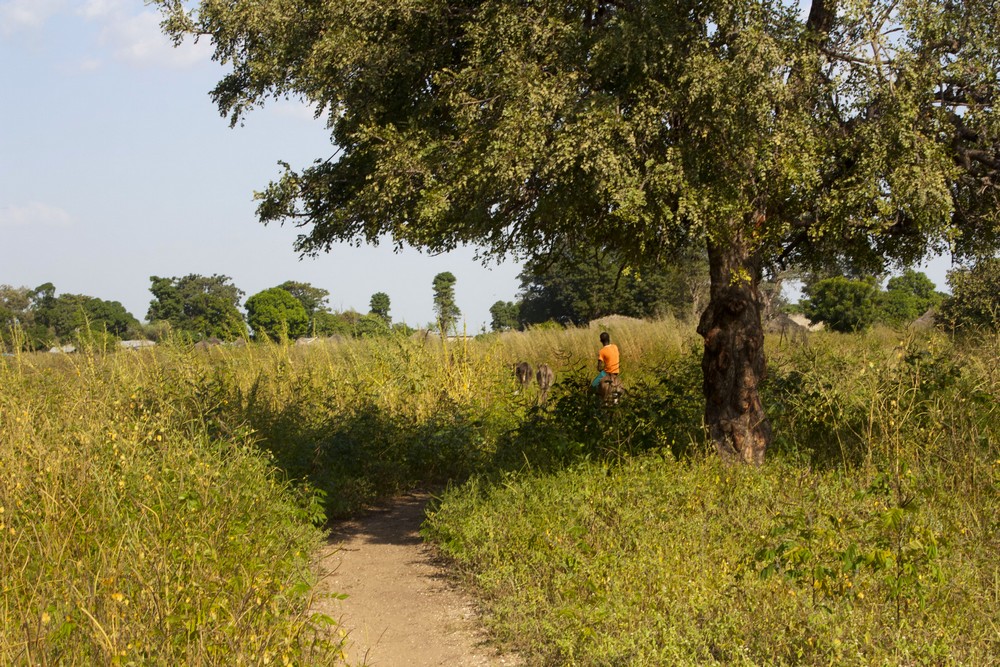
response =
{"points": [[160, 506], [871, 536]]}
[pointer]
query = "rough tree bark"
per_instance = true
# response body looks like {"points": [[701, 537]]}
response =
{"points": [[733, 363]]}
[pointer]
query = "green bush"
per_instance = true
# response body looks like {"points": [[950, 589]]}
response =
{"points": [[274, 313], [841, 303], [974, 303]]}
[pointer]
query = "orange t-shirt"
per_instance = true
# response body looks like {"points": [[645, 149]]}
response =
{"points": [[609, 355]]}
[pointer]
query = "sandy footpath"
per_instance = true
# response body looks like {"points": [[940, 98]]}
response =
{"points": [[403, 610]]}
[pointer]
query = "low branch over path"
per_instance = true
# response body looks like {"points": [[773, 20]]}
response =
{"points": [[402, 609]]}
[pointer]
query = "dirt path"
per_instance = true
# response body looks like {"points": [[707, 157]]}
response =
{"points": [[402, 609]]}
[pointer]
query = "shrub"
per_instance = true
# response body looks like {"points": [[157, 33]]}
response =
{"points": [[843, 304], [975, 297], [275, 313]]}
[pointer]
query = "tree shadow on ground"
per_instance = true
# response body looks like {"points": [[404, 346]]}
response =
{"points": [[352, 458]]}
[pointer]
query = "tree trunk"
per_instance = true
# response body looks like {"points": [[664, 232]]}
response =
{"points": [[733, 364]]}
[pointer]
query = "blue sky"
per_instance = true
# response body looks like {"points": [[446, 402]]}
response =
{"points": [[116, 166]]}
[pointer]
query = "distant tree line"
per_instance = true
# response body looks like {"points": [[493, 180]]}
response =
{"points": [[564, 287], [194, 307], [577, 288], [851, 304]]}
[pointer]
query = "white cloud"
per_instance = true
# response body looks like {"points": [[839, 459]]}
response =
{"points": [[126, 32], [89, 65], [18, 15], [136, 38], [34, 214], [294, 109], [93, 9]]}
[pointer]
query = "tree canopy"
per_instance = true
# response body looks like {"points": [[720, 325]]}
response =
{"points": [[45, 318], [907, 297], [841, 303], [200, 306], [505, 315], [974, 303], [445, 308], [275, 313], [577, 287], [860, 131], [379, 305]]}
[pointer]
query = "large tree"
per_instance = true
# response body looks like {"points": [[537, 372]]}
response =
{"points": [[445, 308], [907, 297], [379, 305], [313, 299], [275, 313], [200, 306], [580, 286], [974, 304], [862, 130], [62, 317]]}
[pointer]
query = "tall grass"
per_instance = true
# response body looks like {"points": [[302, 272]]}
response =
{"points": [[158, 506], [133, 533], [872, 535]]}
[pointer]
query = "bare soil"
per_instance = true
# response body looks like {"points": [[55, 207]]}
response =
{"points": [[404, 608]]}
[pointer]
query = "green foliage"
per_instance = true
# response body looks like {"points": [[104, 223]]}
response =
{"points": [[137, 530], [907, 297], [45, 318], [331, 324], [588, 531], [313, 299], [16, 319], [975, 297], [352, 324], [580, 287], [445, 308], [71, 313], [887, 541], [785, 565], [637, 127], [841, 303], [379, 306], [275, 313], [757, 132], [505, 316], [199, 306]]}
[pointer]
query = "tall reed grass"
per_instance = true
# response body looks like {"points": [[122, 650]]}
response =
{"points": [[159, 506], [135, 532], [871, 536]]}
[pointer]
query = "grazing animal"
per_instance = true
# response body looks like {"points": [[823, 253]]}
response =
{"points": [[545, 377], [609, 389], [522, 371]]}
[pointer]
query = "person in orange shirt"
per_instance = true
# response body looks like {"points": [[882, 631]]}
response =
{"points": [[607, 359]]}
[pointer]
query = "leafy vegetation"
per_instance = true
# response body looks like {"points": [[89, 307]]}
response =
{"points": [[851, 304], [274, 313], [43, 318], [446, 310], [379, 305], [754, 132], [580, 287], [843, 304], [136, 530], [162, 501], [871, 537], [975, 300], [198, 306]]}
